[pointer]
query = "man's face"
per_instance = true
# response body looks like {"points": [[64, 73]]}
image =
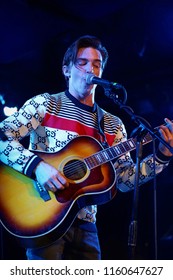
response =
{"points": [[89, 60]]}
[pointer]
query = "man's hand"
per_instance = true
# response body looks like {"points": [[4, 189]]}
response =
{"points": [[49, 177], [166, 132]]}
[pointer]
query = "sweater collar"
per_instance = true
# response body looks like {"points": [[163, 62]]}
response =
{"points": [[85, 107]]}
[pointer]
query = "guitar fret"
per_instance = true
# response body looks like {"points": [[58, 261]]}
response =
{"points": [[113, 152], [105, 155], [125, 147], [90, 161], [117, 149], [99, 157], [87, 162], [110, 154], [121, 146], [147, 138], [131, 143]]}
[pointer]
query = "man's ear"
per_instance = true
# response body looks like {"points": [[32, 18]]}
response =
{"points": [[66, 71]]}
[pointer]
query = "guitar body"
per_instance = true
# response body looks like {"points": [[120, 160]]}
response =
{"points": [[36, 222]]}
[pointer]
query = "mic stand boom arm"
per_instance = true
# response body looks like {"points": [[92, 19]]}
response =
{"points": [[135, 118]]}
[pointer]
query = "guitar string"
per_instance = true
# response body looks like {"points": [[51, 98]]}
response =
{"points": [[70, 167], [92, 159], [75, 166]]}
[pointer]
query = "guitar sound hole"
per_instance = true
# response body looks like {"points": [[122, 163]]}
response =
{"points": [[75, 169]]}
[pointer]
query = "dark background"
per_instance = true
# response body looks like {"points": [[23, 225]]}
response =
{"points": [[34, 35]]}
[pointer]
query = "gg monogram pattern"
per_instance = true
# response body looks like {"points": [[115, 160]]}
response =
{"points": [[51, 121]]}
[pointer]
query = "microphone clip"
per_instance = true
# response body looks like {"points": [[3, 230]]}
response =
{"points": [[120, 95]]}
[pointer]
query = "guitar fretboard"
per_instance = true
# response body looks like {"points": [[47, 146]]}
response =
{"points": [[111, 153]]}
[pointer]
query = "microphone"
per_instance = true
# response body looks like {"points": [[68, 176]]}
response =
{"points": [[108, 86], [92, 79]]}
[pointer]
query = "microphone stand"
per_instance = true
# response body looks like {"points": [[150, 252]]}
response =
{"points": [[133, 227], [143, 128]]}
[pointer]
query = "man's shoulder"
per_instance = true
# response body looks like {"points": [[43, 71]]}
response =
{"points": [[58, 95]]}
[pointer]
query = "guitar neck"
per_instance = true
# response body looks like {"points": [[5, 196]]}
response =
{"points": [[111, 153]]}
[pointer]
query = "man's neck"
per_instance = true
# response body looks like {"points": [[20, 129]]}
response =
{"points": [[87, 100]]}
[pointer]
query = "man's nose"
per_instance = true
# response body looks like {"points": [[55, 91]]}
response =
{"points": [[90, 68]]}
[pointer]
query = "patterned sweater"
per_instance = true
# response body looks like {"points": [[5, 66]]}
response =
{"points": [[52, 121]]}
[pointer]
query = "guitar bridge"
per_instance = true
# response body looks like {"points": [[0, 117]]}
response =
{"points": [[44, 194]]}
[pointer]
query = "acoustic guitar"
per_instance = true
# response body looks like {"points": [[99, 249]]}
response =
{"points": [[38, 217]]}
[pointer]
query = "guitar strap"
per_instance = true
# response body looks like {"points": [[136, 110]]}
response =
{"points": [[100, 118]]}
